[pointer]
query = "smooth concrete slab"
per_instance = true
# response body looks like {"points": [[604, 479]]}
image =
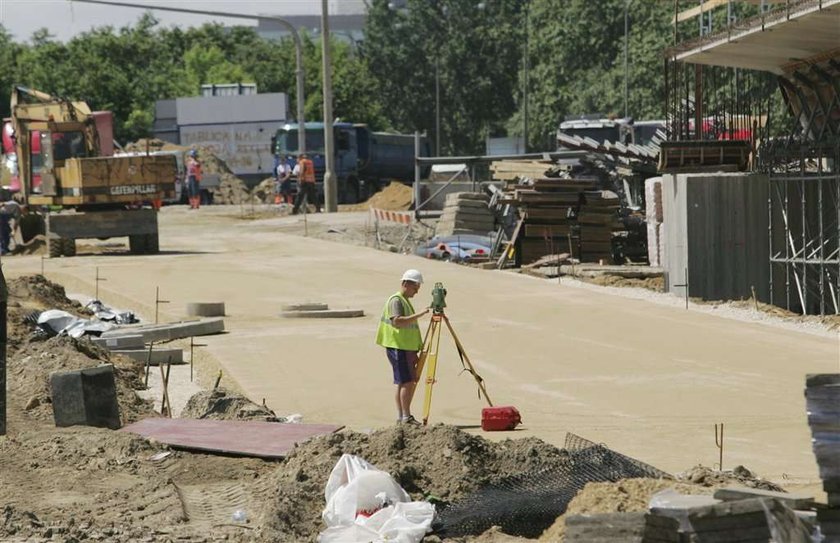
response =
{"points": [[157, 356], [133, 341], [170, 331], [793, 501], [85, 397], [245, 438], [324, 314]]}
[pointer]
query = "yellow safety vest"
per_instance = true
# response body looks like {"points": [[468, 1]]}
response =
{"points": [[388, 335]]}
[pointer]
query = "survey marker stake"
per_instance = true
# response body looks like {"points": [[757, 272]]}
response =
{"points": [[193, 344], [158, 301], [96, 281], [149, 362]]}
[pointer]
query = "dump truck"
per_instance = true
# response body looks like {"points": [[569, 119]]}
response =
{"points": [[365, 160], [82, 192]]}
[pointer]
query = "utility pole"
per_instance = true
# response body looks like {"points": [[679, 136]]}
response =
{"points": [[330, 187], [626, 50], [526, 83]]}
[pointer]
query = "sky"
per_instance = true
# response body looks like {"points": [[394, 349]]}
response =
{"points": [[66, 18]]}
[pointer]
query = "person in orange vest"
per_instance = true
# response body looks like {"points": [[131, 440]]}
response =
{"points": [[305, 172], [193, 179]]}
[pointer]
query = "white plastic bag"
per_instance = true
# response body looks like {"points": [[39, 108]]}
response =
{"points": [[365, 504]]}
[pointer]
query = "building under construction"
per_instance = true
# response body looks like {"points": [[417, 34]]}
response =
{"points": [[751, 188]]}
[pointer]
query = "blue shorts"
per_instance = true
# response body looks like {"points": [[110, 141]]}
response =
{"points": [[403, 363]]}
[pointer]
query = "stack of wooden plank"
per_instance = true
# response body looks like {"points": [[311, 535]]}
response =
{"points": [[598, 219], [548, 207], [507, 170]]}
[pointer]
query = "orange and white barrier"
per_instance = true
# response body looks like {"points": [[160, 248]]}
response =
{"points": [[402, 217]]}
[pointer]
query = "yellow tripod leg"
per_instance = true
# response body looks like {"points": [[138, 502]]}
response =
{"points": [[424, 351], [431, 366]]}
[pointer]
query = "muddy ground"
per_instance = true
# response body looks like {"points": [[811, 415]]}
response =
{"points": [[91, 484]]}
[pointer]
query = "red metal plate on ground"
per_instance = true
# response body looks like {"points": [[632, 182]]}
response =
{"points": [[245, 438]]}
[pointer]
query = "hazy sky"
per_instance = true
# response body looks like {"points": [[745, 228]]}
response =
{"points": [[65, 19]]}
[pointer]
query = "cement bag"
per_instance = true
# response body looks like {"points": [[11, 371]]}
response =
{"points": [[365, 504]]}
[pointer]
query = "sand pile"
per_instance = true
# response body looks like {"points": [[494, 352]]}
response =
{"points": [[395, 197], [264, 192], [222, 404]]}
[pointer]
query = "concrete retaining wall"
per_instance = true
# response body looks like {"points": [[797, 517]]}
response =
{"points": [[717, 234]]}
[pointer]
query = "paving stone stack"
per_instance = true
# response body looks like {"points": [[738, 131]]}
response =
{"points": [[598, 219], [654, 220], [621, 528], [465, 213], [822, 401], [744, 521]]}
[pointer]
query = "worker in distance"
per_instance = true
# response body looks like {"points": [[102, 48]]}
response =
{"points": [[399, 333]]}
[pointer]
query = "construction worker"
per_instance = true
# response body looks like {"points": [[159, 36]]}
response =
{"points": [[193, 179], [283, 180], [305, 172], [400, 334]]}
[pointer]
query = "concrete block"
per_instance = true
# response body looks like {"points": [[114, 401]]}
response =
{"points": [[158, 356], [325, 314], [121, 342], [206, 309], [793, 501], [304, 307], [175, 330], [85, 397]]}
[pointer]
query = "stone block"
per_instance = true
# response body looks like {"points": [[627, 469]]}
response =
{"points": [[85, 397], [206, 309], [158, 356], [793, 501], [122, 342]]}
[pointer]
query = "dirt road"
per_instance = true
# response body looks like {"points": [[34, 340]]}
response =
{"points": [[648, 380]]}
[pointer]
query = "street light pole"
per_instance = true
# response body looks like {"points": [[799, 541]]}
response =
{"points": [[330, 186], [292, 30], [626, 32], [525, 86], [437, 105]]}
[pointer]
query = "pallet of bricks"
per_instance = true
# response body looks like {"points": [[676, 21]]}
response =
{"points": [[822, 402]]}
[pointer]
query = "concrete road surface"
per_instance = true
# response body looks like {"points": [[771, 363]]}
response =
{"points": [[648, 380]]}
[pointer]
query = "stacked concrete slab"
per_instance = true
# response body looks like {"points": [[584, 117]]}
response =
{"points": [[465, 213], [653, 217], [822, 402]]}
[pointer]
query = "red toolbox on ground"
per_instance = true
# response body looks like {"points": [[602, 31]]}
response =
{"points": [[495, 419]]}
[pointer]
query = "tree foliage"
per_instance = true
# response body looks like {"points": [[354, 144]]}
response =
{"points": [[567, 57]]}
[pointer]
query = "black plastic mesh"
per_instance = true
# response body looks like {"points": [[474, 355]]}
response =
{"points": [[525, 505]]}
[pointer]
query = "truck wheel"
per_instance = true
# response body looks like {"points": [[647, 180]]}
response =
{"points": [[68, 247], [54, 247], [137, 244], [152, 244]]}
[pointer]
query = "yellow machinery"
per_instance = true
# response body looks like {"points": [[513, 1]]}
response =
{"points": [[96, 196]]}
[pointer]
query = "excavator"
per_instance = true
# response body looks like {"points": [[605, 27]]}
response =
{"points": [[80, 191]]}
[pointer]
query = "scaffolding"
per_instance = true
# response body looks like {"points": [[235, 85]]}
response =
{"points": [[789, 124]]}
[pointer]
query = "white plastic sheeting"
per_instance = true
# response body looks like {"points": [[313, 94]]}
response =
{"points": [[366, 505]]}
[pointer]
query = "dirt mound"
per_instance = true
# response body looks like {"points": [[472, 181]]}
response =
{"points": [[222, 404], [395, 197], [440, 461], [701, 475], [264, 192], [656, 284], [31, 366]]}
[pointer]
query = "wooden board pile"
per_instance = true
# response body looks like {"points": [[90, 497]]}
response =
{"points": [[558, 214]]}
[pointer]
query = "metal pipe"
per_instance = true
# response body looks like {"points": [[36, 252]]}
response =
{"points": [[299, 73]]}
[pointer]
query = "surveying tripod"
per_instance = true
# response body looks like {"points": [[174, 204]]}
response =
{"points": [[429, 354]]}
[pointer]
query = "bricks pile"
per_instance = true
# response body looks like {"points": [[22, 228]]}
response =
{"points": [[822, 401]]}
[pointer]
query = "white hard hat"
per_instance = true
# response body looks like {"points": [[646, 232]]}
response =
{"points": [[414, 276]]}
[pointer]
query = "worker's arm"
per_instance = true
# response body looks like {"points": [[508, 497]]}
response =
{"points": [[403, 321]]}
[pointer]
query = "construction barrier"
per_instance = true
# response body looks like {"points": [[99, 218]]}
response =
{"points": [[399, 217]]}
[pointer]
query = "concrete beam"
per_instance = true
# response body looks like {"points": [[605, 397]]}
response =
{"points": [[158, 356], [170, 331]]}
